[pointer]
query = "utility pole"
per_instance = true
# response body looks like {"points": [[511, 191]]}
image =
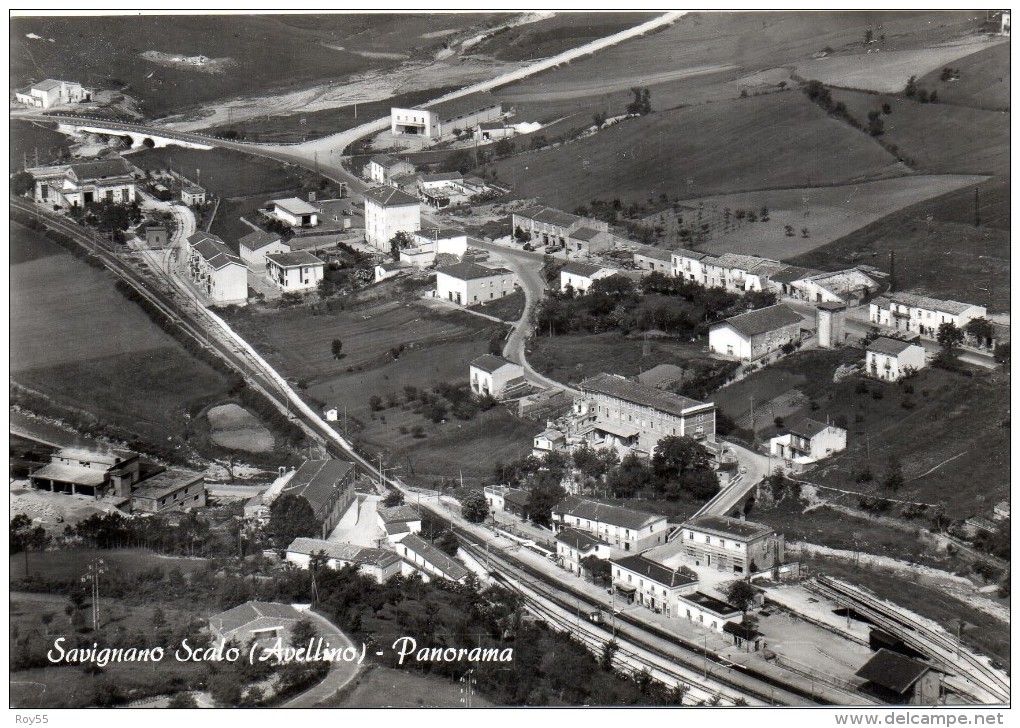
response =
{"points": [[95, 568]]}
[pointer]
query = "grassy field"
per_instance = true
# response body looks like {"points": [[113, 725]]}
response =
{"points": [[984, 80], [270, 52], [720, 148], [979, 257], [569, 358], [75, 340], [828, 213], [72, 564], [559, 33], [509, 308], [29, 137], [938, 138], [384, 687], [958, 415], [236, 428]]}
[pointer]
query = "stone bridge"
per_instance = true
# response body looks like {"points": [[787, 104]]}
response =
{"points": [[138, 138]]}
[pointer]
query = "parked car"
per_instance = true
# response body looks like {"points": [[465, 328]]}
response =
{"points": [[529, 246]]}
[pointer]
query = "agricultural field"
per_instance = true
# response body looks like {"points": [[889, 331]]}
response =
{"points": [[235, 428], [984, 81], [688, 147], [29, 137], [887, 71], [270, 52], [385, 687], [828, 213], [978, 255], [70, 564], [963, 458], [561, 32], [76, 341]]}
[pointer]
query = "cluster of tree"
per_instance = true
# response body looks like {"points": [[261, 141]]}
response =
{"points": [[642, 103], [401, 241], [996, 543], [820, 95], [171, 534], [913, 91], [436, 403]]}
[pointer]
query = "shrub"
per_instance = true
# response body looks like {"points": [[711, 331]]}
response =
{"points": [[877, 394]]}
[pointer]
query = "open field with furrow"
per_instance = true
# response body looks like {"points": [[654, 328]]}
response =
{"points": [[984, 81]]}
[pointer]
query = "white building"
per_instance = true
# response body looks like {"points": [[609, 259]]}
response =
{"points": [[391, 269], [442, 240], [807, 441], [842, 286], [213, 267], [654, 259], [573, 546], [686, 264], [429, 125], [468, 284], [382, 168], [50, 93], [624, 529], [405, 516], [756, 334], [580, 276], [418, 257], [731, 544], [414, 122], [548, 441], [294, 212], [504, 499], [389, 211], [422, 557], [193, 195], [378, 564], [255, 246], [921, 314], [298, 270], [490, 374], [82, 183], [890, 359], [705, 610], [651, 584]]}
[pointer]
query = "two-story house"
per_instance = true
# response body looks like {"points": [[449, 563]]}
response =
{"points": [[651, 584], [807, 441], [574, 546], [921, 314], [490, 374], [891, 359], [731, 544], [624, 529], [298, 270]]}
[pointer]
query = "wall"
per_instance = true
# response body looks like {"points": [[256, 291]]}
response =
{"points": [[382, 223]]}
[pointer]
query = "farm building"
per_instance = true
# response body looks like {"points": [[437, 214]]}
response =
{"points": [[585, 241], [89, 472], [783, 283], [193, 195], [468, 284], [900, 680], [807, 441], [214, 268], [155, 236], [490, 374], [624, 529], [574, 546], [49, 93], [430, 125], [579, 277], [850, 286], [654, 259], [167, 491], [624, 413], [389, 211], [382, 168], [327, 486], [293, 212], [391, 269], [548, 226], [731, 544], [255, 246], [921, 314], [81, 183], [262, 622], [891, 359], [756, 334], [651, 584], [295, 271], [422, 557], [505, 498], [378, 564], [706, 610]]}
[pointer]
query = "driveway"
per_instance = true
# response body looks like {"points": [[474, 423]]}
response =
{"points": [[360, 524], [340, 672]]}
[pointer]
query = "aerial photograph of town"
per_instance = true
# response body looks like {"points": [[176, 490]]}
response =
{"points": [[511, 359]]}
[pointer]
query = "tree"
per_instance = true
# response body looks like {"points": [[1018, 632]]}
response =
{"points": [[886, 109], [980, 329], [876, 127], [375, 403], [741, 595], [869, 36], [949, 337], [521, 235], [337, 347], [676, 455], [447, 543], [788, 229], [504, 148], [399, 242], [474, 507], [893, 478], [599, 117], [182, 700], [393, 498], [911, 90], [22, 183], [302, 632], [26, 537], [600, 569], [291, 517], [544, 497], [642, 103]]}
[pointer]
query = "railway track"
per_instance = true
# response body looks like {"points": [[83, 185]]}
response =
{"points": [[936, 644]]}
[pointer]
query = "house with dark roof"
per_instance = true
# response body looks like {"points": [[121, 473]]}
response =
{"points": [[807, 441], [573, 546], [389, 211], [422, 557], [651, 584], [297, 270], [78, 184], [327, 486], [168, 490], [214, 268], [921, 314], [900, 680], [502, 498], [379, 564], [754, 335], [548, 226], [579, 277], [406, 516], [256, 245], [891, 359], [492, 375], [618, 412], [706, 610], [468, 284], [264, 622], [382, 169], [624, 529], [732, 545], [586, 241], [654, 259]]}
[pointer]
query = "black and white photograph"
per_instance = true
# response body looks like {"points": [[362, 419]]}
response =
{"points": [[502, 358]]}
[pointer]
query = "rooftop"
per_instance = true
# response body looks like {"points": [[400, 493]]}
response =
{"points": [[101, 169], [725, 526], [441, 177], [315, 480], [440, 233], [294, 206], [432, 555], [244, 614], [740, 262], [165, 483], [294, 259], [390, 197], [471, 271], [614, 385], [258, 239], [892, 671], [579, 539], [656, 253], [890, 347], [71, 474], [723, 609], [194, 190], [806, 427], [460, 107], [398, 514], [577, 268], [548, 215], [490, 363], [915, 300], [518, 497], [659, 573], [386, 161], [792, 273], [763, 320], [349, 552], [605, 513], [692, 254], [111, 456], [661, 374], [586, 233]]}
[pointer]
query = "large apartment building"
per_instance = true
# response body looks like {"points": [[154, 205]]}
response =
{"points": [[624, 529], [730, 544]]}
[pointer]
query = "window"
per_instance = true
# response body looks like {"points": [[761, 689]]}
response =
{"points": [[708, 539], [690, 535]]}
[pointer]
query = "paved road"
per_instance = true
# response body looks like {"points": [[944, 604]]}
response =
{"points": [[340, 673]]}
